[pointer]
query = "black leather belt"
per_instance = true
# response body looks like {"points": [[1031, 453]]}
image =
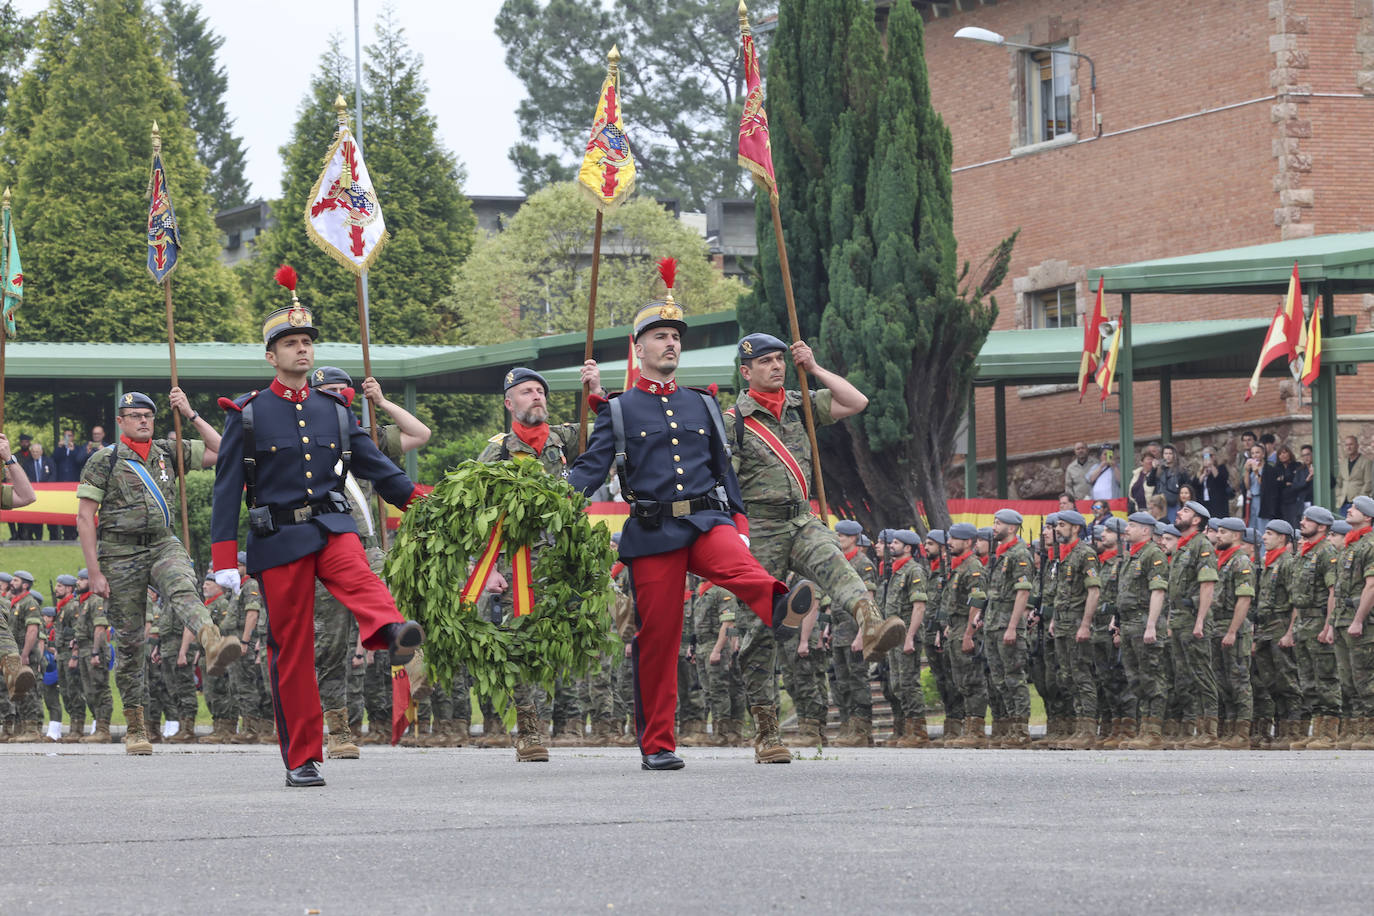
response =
{"points": [[649, 508], [302, 514], [774, 511], [134, 540]]}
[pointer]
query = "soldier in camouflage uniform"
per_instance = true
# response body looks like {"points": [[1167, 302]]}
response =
{"points": [[175, 654], [19, 677], [1354, 640], [772, 458], [1075, 605], [622, 698], [68, 661], [92, 647], [965, 597], [1276, 671], [691, 696], [936, 652], [1004, 627], [246, 676], [907, 598], [26, 629], [1231, 634], [1313, 604], [802, 660], [132, 484], [219, 689], [1043, 671], [715, 619], [336, 630], [1142, 586], [1192, 583], [1115, 702], [851, 671]]}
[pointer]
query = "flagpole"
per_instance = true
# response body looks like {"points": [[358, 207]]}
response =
{"points": [[591, 330]]}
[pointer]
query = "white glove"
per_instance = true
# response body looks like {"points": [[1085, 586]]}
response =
{"points": [[228, 579], [745, 539]]}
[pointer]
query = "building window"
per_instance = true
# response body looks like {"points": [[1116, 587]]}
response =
{"points": [[1048, 78], [1054, 308]]}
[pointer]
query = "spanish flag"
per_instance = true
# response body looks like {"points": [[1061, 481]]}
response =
{"points": [[631, 367], [1284, 330], [1092, 344], [1312, 347], [755, 150], [608, 167], [1107, 370]]}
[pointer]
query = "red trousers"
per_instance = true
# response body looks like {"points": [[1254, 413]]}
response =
{"points": [[289, 594], [718, 555]]}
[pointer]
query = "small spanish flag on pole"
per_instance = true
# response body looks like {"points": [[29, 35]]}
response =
{"points": [[1107, 371], [1092, 344], [1312, 349]]}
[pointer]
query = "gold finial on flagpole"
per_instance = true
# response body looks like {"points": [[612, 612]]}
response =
{"points": [[6, 201], [743, 17], [341, 108], [157, 139]]}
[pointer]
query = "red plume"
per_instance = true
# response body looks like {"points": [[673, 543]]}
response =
{"points": [[286, 276], [667, 269]]}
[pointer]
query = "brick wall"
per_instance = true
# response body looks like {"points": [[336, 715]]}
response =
{"points": [[1280, 160]]}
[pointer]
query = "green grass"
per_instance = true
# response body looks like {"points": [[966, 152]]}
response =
{"points": [[46, 563]]}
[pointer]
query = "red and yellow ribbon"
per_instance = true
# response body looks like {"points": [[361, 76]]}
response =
{"points": [[522, 588]]}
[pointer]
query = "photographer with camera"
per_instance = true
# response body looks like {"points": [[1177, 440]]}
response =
{"points": [[1105, 474]]}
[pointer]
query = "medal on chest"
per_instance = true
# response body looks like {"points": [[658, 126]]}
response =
{"points": [[162, 467]]}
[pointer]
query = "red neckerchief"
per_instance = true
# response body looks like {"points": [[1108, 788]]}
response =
{"points": [[1273, 555], [617, 568], [295, 395], [81, 598], [1107, 555], [1066, 549], [533, 436], [900, 563], [1354, 536], [61, 603], [1224, 555], [703, 588], [851, 553], [210, 601], [935, 565], [1308, 545], [956, 562], [771, 401], [1003, 548], [1136, 548], [652, 387], [140, 449], [1183, 541]]}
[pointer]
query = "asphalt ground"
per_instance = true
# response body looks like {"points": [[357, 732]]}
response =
{"points": [[214, 830]]}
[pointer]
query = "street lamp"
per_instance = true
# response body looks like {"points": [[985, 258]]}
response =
{"points": [[989, 37]]}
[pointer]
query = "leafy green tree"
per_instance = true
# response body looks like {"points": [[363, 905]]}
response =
{"points": [[77, 152], [534, 277], [682, 80], [418, 182], [189, 47], [16, 40], [863, 161]]}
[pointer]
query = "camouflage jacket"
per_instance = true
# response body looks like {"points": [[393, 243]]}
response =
{"points": [[1108, 570], [842, 625], [1077, 574], [1235, 579], [90, 614], [908, 586], [1357, 564], [554, 457], [361, 494], [1193, 563], [249, 599], [1140, 572], [763, 478], [1279, 577], [221, 610], [715, 607], [1011, 573], [967, 582], [1318, 570], [126, 505], [25, 612], [935, 591], [67, 610]]}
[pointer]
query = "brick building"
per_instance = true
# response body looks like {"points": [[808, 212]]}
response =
{"points": [[1219, 123]]}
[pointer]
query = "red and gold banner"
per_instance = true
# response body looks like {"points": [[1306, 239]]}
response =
{"points": [[607, 173], [755, 149], [404, 710]]}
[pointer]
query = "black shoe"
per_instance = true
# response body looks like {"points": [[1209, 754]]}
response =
{"points": [[304, 776], [789, 609], [663, 760], [402, 639]]}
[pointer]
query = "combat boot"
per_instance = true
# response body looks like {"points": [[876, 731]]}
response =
{"points": [[1018, 735], [627, 738], [1364, 740], [1304, 730], [715, 738], [220, 732], [734, 733], [1239, 738], [858, 734], [1082, 737], [246, 733], [767, 747], [101, 735], [220, 651], [1113, 737], [494, 733], [267, 731], [1260, 739], [19, 678], [603, 732], [1347, 733], [136, 736], [461, 733], [1324, 734], [529, 740], [73, 735], [1286, 731], [879, 635], [692, 733], [808, 734], [915, 734], [29, 733], [1151, 736], [973, 735], [1050, 737], [1171, 733], [438, 734], [953, 728], [339, 744], [186, 734], [1207, 738]]}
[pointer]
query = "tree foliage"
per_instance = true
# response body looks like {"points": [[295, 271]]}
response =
{"points": [[534, 277], [189, 47], [16, 40], [682, 82], [863, 165], [77, 149], [418, 182]]}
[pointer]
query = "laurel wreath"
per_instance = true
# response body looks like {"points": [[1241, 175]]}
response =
{"points": [[570, 627]]}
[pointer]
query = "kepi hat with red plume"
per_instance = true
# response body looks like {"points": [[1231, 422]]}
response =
{"points": [[662, 311], [294, 318]]}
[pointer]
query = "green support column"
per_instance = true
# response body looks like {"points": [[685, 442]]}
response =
{"points": [[1325, 444], [412, 462], [119, 393], [1125, 370], [1000, 428], [971, 452], [1166, 405]]}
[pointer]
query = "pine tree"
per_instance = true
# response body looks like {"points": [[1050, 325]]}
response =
{"points": [[16, 40], [77, 154], [189, 47], [864, 164]]}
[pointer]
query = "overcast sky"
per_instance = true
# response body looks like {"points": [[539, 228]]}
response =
{"points": [[272, 47]]}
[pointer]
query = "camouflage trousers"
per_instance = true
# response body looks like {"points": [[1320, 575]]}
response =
{"points": [[1040, 666], [691, 697], [336, 636], [852, 692], [180, 681], [1075, 672], [95, 685], [758, 661], [1358, 653], [355, 682], [1114, 698], [1007, 667], [377, 690], [803, 677], [454, 701], [1144, 666], [73, 693], [1316, 662], [725, 689], [1195, 670], [597, 694], [969, 673], [938, 659], [52, 700], [159, 700], [1237, 698], [8, 645], [805, 546], [623, 691], [904, 679], [567, 701], [248, 681], [130, 570], [219, 696], [1276, 681]]}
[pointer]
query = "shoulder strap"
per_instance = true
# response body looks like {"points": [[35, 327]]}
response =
{"points": [[114, 457], [250, 462], [345, 440], [618, 428], [739, 428], [718, 421]]}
